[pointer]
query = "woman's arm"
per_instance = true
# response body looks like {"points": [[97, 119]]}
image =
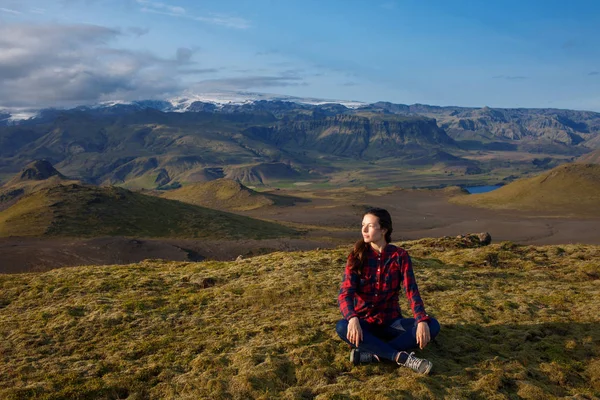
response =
{"points": [[348, 287], [411, 288], [350, 282], [416, 304]]}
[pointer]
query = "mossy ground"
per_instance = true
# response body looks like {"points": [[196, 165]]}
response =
{"points": [[517, 322]]}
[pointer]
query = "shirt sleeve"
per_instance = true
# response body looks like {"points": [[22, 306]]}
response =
{"points": [[348, 287], [411, 289]]}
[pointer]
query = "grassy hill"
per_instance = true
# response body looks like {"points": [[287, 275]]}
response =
{"points": [[12, 191], [569, 189], [37, 175], [75, 210], [263, 173], [517, 322], [225, 194]]}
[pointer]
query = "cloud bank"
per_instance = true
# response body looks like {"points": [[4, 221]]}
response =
{"points": [[58, 65], [65, 65]]}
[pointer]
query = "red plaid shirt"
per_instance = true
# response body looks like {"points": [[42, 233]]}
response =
{"points": [[373, 295]]}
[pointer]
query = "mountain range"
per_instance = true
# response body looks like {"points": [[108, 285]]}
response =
{"points": [[163, 144]]}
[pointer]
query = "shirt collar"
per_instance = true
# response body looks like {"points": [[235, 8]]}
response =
{"points": [[375, 253]]}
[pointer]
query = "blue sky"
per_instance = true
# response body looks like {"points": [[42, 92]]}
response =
{"points": [[467, 53]]}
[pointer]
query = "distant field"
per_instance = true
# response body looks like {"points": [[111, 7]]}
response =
{"points": [[497, 166], [513, 156]]}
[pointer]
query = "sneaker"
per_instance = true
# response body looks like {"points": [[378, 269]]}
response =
{"points": [[362, 357], [420, 365]]}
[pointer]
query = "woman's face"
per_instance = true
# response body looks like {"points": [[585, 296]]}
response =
{"points": [[371, 230]]}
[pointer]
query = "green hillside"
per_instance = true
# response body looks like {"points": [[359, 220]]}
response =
{"points": [[517, 322], [75, 210], [37, 175], [569, 189], [225, 194]]}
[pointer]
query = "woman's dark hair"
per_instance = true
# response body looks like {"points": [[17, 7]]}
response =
{"points": [[359, 253]]}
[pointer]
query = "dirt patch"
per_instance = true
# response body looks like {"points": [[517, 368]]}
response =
{"points": [[38, 254], [427, 213]]}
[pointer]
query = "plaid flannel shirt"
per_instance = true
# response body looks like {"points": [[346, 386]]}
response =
{"points": [[373, 295]]}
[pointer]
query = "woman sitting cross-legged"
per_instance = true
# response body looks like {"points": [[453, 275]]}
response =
{"points": [[373, 324]]}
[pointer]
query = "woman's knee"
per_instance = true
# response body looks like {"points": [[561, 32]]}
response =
{"points": [[434, 327], [342, 328]]}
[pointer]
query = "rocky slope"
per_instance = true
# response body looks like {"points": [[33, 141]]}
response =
{"points": [[566, 127], [368, 136]]}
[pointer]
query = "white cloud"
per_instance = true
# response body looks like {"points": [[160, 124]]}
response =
{"points": [[179, 12], [226, 21], [162, 6], [10, 11], [67, 65]]}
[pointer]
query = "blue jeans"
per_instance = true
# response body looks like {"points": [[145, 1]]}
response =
{"points": [[387, 340]]}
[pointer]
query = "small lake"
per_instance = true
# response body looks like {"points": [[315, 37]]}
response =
{"points": [[481, 189]]}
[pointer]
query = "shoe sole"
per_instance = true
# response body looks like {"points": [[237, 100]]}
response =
{"points": [[352, 357], [429, 366]]}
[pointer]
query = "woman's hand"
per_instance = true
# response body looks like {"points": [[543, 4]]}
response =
{"points": [[423, 335], [355, 334]]}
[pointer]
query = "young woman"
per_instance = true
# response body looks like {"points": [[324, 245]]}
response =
{"points": [[373, 324]]}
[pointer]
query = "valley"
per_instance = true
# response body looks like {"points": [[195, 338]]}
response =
{"points": [[323, 218], [125, 182]]}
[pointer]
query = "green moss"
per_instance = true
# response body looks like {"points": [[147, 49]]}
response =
{"points": [[264, 328]]}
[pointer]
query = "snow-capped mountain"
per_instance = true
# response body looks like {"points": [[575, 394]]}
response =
{"points": [[9, 117], [190, 102], [220, 99]]}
